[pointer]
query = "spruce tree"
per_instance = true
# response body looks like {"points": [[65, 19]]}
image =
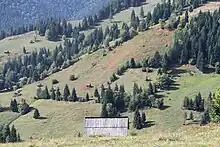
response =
{"points": [[46, 94], [142, 12], [74, 95], [13, 134], [58, 94], [53, 95], [87, 97], [36, 114], [14, 106], [137, 120], [150, 89], [165, 63], [186, 17], [132, 63], [116, 87], [6, 131], [191, 116], [96, 94], [18, 138], [104, 112], [66, 92], [205, 118]]}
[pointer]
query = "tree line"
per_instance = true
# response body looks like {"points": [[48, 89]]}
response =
{"points": [[197, 104], [8, 135], [114, 101], [55, 94], [55, 29]]}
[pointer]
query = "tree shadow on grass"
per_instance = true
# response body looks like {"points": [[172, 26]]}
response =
{"points": [[148, 124], [209, 70], [41, 117], [164, 107], [173, 88]]}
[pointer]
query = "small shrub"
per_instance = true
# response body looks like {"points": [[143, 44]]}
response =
{"points": [[54, 81], [72, 78], [31, 41], [133, 134]]}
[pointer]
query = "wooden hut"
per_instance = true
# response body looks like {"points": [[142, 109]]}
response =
{"points": [[98, 126]]}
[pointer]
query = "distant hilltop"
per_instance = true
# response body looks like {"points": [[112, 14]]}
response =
{"points": [[20, 12]]}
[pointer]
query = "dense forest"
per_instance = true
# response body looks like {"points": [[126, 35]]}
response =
{"points": [[23, 12], [197, 42]]}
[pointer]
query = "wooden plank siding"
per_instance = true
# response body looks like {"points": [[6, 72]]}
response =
{"points": [[94, 126]]}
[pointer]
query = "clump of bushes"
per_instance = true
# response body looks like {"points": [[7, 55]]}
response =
{"points": [[55, 81]]}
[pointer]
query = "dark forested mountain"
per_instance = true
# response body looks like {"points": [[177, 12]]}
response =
{"points": [[18, 12]]}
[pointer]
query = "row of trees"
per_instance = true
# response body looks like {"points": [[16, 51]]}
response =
{"points": [[55, 94], [117, 100], [22, 108], [197, 104], [8, 135]]}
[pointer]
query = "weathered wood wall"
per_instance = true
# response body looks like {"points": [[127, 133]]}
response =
{"points": [[106, 126]]}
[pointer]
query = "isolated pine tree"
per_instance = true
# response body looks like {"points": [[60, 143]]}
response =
{"points": [[137, 120], [36, 114]]}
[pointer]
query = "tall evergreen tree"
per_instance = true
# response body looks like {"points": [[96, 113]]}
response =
{"points": [[66, 92], [191, 116], [53, 95], [137, 120], [142, 12], [143, 118], [13, 134], [150, 89], [186, 17], [74, 95], [6, 131], [14, 106], [36, 114], [46, 94], [104, 112], [116, 87], [87, 97]]}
